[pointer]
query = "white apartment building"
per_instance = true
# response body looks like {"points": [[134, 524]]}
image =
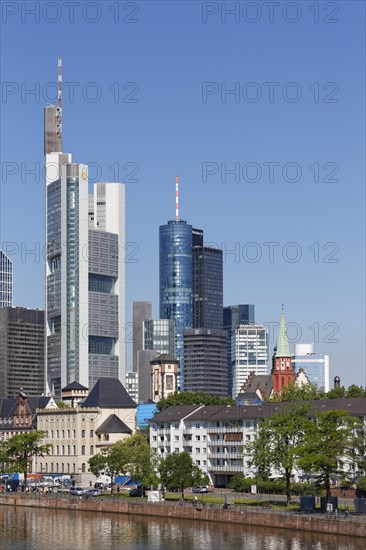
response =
{"points": [[216, 436], [249, 353]]}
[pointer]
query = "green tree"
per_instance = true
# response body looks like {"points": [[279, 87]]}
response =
{"points": [[178, 470], [110, 461], [19, 450], [355, 391], [62, 405], [196, 398], [292, 392], [132, 456], [327, 441], [139, 460], [278, 442], [336, 393]]}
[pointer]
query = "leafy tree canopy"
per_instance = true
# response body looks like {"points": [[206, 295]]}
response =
{"points": [[278, 442], [19, 450], [328, 440], [196, 398], [309, 392], [132, 456], [178, 470]]}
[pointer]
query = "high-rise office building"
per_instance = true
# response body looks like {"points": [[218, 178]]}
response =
{"points": [[144, 357], [242, 314], [315, 365], [21, 351], [85, 269], [207, 287], [141, 311], [249, 353], [205, 361], [159, 335], [6, 280], [233, 317], [175, 260]]}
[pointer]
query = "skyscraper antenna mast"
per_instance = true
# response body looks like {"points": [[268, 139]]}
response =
{"points": [[176, 198], [59, 100]]}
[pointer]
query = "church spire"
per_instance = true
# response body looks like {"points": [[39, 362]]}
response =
{"points": [[283, 349]]}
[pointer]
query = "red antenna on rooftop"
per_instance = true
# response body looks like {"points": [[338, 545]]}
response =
{"points": [[59, 99], [176, 198]]}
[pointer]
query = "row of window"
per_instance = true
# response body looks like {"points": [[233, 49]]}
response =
{"points": [[239, 423], [71, 450], [61, 434], [60, 468]]}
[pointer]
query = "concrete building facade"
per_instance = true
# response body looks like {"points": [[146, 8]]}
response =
{"points": [[164, 376], [249, 352], [141, 311], [216, 436], [106, 416], [22, 342], [205, 360]]}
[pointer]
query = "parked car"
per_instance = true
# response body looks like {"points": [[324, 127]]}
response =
{"points": [[101, 486], [92, 493], [78, 491], [137, 492], [200, 489]]}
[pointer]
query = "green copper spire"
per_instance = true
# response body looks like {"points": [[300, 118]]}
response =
{"points": [[283, 349]]}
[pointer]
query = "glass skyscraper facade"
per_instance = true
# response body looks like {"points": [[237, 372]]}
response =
{"points": [[207, 287], [159, 336], [175, 262], [6, 280], [315, 365]]}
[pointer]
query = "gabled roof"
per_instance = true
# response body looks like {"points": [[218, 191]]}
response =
{"points": [[74, 386], [109, 393], [113, 425], [261, 382], [7, 407], [355, 406], [175, 413], [248, 398]]}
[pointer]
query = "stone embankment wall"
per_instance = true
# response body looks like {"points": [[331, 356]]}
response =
{"points": [[348, 525]]}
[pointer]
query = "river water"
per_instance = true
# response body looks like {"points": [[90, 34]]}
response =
{"points": [[39, 529]]}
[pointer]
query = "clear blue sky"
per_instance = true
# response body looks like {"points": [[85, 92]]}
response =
{"points": [[169, 52]]}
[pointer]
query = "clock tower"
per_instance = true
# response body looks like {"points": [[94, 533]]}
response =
{"points": [[282, 371]]}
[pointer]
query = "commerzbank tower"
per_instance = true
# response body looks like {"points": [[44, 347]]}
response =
{"points": [[85, 268]]}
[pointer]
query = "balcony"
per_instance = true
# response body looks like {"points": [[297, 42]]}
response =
{"points": [[227, 455], [229, 469], [225, 430], [224, 443]]}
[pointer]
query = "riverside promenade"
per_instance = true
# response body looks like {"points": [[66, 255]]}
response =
{"points": [[350, 525]]}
